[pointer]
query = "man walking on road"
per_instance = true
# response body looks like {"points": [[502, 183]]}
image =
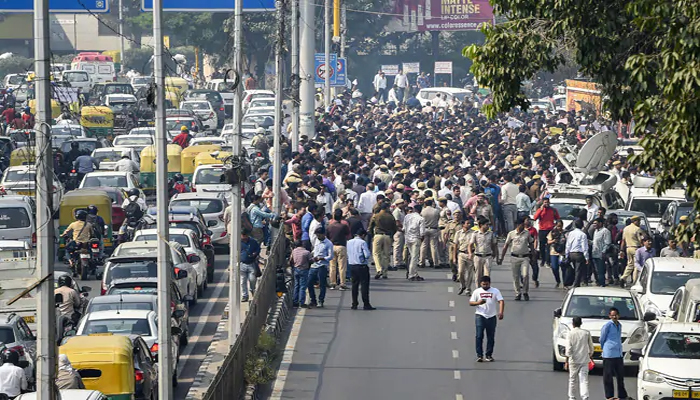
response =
{"points": [[632, 237], [547, 216], [523, 248], [250, 251], [613, 364], [577, 251], [338, 234], [484, 248], [358, 259], [414, 230], [431, 239], [382, 226], [465, 266], [509, 193], [322, 256], [579, 350], [399, 213], [300, 261], [489, 304]]}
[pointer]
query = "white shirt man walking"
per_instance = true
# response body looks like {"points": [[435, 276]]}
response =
{"points": [[489, 305], [579, 351]]}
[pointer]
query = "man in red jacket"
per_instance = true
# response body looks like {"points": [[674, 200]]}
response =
{"points": [[547, 217], [183, 138]]}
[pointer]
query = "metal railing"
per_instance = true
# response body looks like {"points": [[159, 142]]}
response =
{"points": [[229, 382]]}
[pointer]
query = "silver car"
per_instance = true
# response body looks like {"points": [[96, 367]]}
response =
{"points": [[212, 205]]}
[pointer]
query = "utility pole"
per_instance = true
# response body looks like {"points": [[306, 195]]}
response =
{"points": [[343, 29], [307, 44], [295, 75], [279, 59], [46, 309], [234, 299], [121, 37], [164, 269], [327, 86]]}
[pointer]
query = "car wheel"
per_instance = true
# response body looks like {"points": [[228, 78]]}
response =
{"points": [[556, 365]]}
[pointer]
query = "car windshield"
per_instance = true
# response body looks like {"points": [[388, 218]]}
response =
{"points": [[261, 120], [144, 80], [19, 175], [176, 125], [139, 269], [200, 105], [143, 131], [72, 130], [76, 76], [185, 225], [108, 155], [118, 181], [114, 196], [135, 289], [119, 89], [681, 212], [652, 208], [209, 176], [205, 206], [84, 146], [676, 345], [7, 335], [139, 327], [597, 307], [667, 282], [131, 140], [120, 305], [622, 222], [16, 79], [209, 96], [262, 103], [182, 239], [25, 135], [14, 217], [568, 210]]}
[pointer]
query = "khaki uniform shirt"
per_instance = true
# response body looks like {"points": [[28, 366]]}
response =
{"points": [[632, 235], [484, 242], [444, 217], [431, 216], [451, 230], [520, 242], [462, 239]]}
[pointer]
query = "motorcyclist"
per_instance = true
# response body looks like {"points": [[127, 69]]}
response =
{"points": [[80, 232], [259, 141], [183, 138], [126, 164], [13, 381], [9, 99], [72, 155], [98, 224], [134, 207], [179, 185], [27, 117], [85, 164], [71, 298]]}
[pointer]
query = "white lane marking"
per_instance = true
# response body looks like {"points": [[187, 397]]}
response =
{"points": [[450, 289], [458, 375], [458, 396], [287, 356], [199, 326], [452, 303], [455, 353], [453, 318], [453, 335]]}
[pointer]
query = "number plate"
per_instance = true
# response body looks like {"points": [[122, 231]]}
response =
{"points": [[695, 395], [25, 193], [85, 256], [95, 250], [29, 319], [681, 394], [597, 348]]}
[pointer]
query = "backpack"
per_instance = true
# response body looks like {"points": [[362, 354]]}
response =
{"points": [[248, 198], [133, 210], [96, 229], [180, 187]]}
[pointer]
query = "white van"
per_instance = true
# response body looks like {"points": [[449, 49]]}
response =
{"points": [[77, 79], [427, 95], [14, 81], [653, 206], [100, 67]]}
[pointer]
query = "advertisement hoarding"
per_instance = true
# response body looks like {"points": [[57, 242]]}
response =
{"points": [[441, 15], [411, 68]]}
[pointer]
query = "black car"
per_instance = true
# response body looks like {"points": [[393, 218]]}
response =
{"points": [[145, 370], [212, 97]]}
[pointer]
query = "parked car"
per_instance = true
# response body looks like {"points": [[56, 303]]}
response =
{"points": [[659, 279]]}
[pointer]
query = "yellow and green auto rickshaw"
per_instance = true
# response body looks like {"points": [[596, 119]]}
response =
{"points": [[22, 156], [148, 165], [98, 121], [174, 83], [189, 155], [80, 199], [105, 362], [209, 159]]}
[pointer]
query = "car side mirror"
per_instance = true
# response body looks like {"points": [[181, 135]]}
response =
{"points": [[181, 274], [637, 352], [637, 289], [649, 316], [85, 289], [193, 258], [557, 313], [175, 331], [177, 314], [211, 223]]}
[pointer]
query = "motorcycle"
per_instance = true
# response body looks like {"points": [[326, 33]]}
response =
{"points": [[73, 180], [95, 257]]}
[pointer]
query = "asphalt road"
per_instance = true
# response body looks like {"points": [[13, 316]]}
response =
{"points": [[204, 318], [419, 344]]}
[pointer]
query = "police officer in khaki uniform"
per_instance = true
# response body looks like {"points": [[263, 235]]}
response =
{"points": [[632, 237], [432, 234], [461, 254], [445, 218], [521, 253], [452, 227], [484, 248], [399, 250]]}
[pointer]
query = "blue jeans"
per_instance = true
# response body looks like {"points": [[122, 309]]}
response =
{"points": [[599, 271], [488, 325], [267, 235], [299, 291], [319, 275], [247, 278], [554, 260]]}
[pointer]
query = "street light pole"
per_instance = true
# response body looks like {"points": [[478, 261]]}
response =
{"points": [[121, 37], [295, 74], [307, 43], [327, 70]]}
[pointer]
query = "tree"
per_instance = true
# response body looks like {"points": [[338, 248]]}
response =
{"points": [[645, 54]]}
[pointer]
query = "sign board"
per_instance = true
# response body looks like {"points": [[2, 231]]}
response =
{"points": [[443, 67], [341, 73], [56, 6], [320, 67], [411, 68], [209, 5], [391, 69]]}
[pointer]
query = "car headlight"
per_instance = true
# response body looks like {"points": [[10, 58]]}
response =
{"points": [[652, 376], [563, 331], [638, 336]]}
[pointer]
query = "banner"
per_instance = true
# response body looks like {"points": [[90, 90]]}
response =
{"points": [[411, 68], [443, 67], [441, 15], [391, 69]]}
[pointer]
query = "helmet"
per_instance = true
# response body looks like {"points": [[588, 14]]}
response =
{"points": [[134, 192], [92, 209], [81, 215], [184, 129], [179, 178], [27, 109], [10, 356], [10, 90], [260, 130], [65, 280]]}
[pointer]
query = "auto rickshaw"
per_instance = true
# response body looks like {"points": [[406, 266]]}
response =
{"points": [[148, 165], [177, 84], [22, 156], [98, 121], [190, 153], [105, 363], [172, 96], [208, 159], [81, 199]]}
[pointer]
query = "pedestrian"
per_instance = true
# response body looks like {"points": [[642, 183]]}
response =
{"points": [[509, 194], [489, 305], [557, 245], [546, 215], [579, 353], [671, 250], [523, 202], [527, 222], [338, 233], [632, 237], [401, 82], [306, 224], [379, 84], [522, 250], [399, 243], [67, 377], [318, 273], [13, 381], [577, 251], [613, 364], [250, 251], [602, 240], [430, 244], [449, 234], [644, 253], [482, 248], [460, 255], [383, 227], [414, 230], [358, 260], [300, 261]]}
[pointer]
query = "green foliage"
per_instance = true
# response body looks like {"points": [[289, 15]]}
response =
{"points": [[138, 59], [260, 363], [645, 54], [15, 65]]}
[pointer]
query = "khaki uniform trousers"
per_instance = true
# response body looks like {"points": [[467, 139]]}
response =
{"points": [[630, 269], [414, 253], [520, 267], [381, 252], [482, 267], [453, 265], [339, 262], [465, 271], [430, 246], [399, 249]]}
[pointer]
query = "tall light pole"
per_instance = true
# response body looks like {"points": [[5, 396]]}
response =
{"points": [[121, 37], [307, 43], [279, 59], [295, 74], [327, 70]]}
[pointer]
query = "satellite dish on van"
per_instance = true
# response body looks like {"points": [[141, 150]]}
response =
{"points": [[596, 152]]}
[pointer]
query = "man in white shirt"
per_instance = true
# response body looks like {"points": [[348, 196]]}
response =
{"points": [[399, 244], [509, 192], [126, 164], [577, 251], [414, 231], [365, 204], [591, 209], [379, 84], [523, 202], [393, 97], [489, 304], [13, 381], [401, 82], [579, 350]]}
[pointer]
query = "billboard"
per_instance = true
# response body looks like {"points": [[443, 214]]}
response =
{"points": [[441, 15], [581, 95]]}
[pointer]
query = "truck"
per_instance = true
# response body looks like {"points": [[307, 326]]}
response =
{"points": [[583, 95]]}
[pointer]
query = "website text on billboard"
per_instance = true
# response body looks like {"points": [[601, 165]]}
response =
{"points": [[443, 15]]}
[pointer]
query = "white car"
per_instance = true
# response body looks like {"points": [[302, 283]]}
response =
{"points": [[247, 132], [195, 256], [209, 140], [212, 206], [116, 179], [427, 95], [21, 180], [669, 366], [143, 323], [659, 279], [77, 79], [137, 142], [204, 111], [261, 104], [653, 206], [109, 156], [138, 82], [250, 95], [207, 179], [592, 304]]}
